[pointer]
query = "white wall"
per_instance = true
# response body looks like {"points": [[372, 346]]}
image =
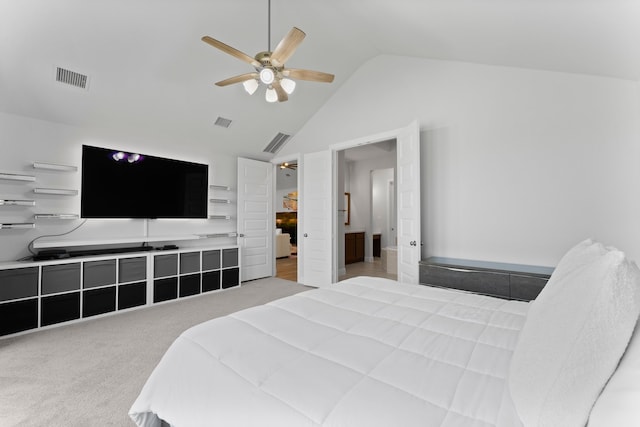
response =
{"points": [[517, 165], [26, 140]]}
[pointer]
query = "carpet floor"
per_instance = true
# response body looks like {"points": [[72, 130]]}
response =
{"points": [[89, 373]]}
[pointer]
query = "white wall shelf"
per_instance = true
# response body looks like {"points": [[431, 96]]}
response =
{"points": [[219, 216], [14, 202], [220, 187], [226, 201], [54, 167], [56, 216], [17, 177], [56, 191], [22, 225], [216, 235]]}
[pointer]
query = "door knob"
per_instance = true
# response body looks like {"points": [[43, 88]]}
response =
{"points": [[306, 235]]}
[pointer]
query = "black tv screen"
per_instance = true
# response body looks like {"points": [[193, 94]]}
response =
{"points": [[119, 184]]}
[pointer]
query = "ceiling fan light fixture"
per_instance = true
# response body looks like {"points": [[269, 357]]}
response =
{"points": [[271, 95], [288, 85], [269, 66], [251, 86], [267, 76]]}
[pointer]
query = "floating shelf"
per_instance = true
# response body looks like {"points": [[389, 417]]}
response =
{"points": [[7, 226], [219, 217], [213, 235], [54, 167], [17, 177], [58, 191], [10, 202], [220, 187], [56, 216], [227, 201]]}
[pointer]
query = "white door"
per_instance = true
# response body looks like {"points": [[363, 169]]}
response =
{"points": [[255, 218], [408, 190], [317, 217]]}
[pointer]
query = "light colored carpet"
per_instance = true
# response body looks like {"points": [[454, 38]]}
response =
{"points": [[89, 373]]}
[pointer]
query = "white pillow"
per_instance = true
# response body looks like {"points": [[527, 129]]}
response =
{"points": [[574, 335], [619, 403]]}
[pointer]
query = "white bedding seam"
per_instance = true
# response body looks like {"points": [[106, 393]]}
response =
{"points": [[405, 324], [451, 301], [382, 342], [243, 378]]}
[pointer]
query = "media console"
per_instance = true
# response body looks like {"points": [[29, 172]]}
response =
{"points": [[38, 294]]}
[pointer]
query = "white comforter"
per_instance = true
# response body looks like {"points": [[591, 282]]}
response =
{"points": [[363, 352]]}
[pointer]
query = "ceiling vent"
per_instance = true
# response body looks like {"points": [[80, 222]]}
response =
{"points": [[72, 78], [222, 122], [277, 143]]}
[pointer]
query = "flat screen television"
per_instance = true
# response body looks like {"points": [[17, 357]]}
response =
{"points": [[119, 184]]}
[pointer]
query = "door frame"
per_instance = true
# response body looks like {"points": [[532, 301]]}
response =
{"points": [[297, 158], [335, 148]]}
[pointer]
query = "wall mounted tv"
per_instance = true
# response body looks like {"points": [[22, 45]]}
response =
{"points": [[120, 184]]}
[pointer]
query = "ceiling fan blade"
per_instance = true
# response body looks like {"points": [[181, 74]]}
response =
{"points": [[287, 46], [282, 95], [231, 51], [237, 79], [310, 75]]}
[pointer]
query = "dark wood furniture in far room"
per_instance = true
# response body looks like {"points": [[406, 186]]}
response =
{"points": [[353, 247], [377, 247], [512, 281]]}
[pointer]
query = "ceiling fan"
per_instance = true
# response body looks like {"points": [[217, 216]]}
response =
{"points": [[270, 67], [292, 166]]}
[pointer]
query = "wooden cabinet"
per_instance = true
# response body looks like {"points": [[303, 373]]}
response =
{"points": [[353, 247], [512, 281]]}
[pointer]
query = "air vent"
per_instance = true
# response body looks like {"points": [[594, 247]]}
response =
{"points": [[277, 143], [71, 78], [221, 121]]}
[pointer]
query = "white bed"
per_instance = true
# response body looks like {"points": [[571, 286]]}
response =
{"points": [[375, 352]]}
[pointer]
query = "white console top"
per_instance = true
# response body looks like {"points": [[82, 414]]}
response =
{"points": [[57, 243]]}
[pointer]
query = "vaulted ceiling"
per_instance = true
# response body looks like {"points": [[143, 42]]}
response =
{"points": [[151, 75]]}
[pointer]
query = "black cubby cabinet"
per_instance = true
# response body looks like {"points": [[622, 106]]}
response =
{"points": [[46, 293], [187, 273]]}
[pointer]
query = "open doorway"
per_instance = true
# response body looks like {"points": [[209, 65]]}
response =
{"points": [[366, 238], [286, 216], [322, 206]]}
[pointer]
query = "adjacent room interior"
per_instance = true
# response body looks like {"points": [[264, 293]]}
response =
{"points": [[286, 227], [368, 229]]}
